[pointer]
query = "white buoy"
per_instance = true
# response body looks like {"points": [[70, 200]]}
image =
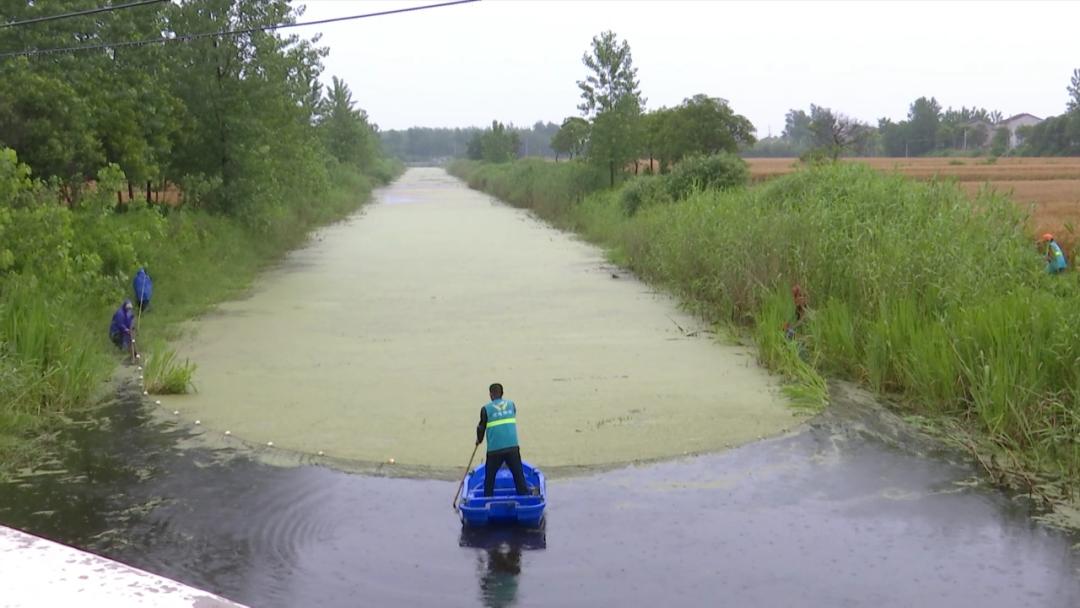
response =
{"points": [[321, 453], [158, 402], [198, 422], [176, 412], [140, 368], [145, 393], [391, 461], [269, 444], [227, 433]]}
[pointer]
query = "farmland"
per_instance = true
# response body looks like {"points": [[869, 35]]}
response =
{"points": [[1049, 186]]}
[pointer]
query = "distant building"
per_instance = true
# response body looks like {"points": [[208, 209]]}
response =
{"points": [[1013, 123]]}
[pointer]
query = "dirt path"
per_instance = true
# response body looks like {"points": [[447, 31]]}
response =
{"points": [[378, 341]]}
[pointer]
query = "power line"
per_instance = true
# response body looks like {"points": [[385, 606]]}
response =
{"points": [[92, 11], [191, 37]]}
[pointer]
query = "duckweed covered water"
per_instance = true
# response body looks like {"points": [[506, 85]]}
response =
{"points": [[378, 341]]}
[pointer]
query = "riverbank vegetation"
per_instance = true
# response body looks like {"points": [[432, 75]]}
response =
{"points": [[203, 161]]}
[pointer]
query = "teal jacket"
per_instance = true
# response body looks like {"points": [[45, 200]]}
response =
{"points": [[499, 420], [1055, 259]]}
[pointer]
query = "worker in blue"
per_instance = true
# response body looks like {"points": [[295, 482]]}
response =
{"points": [[144, 288], [1055, 258], [122, 327], [498, 422]]}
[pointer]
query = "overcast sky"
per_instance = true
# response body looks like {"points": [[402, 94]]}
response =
{"points": [[518, 61]]}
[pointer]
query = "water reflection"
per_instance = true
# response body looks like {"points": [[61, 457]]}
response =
{"points": [[499, 563]]}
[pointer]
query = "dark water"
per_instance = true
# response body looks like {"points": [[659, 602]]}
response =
{"points": [[831, 516]]}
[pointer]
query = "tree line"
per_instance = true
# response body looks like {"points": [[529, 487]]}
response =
{"points": [[240, 122], [426, 144], [927, 130]]}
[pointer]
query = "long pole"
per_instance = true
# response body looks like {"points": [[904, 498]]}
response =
{"points": [[462, 484]]}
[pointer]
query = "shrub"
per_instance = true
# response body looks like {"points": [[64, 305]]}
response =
{"points": [[643, 191], [718, 171]]}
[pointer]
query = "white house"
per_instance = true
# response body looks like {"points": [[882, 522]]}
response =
{"points": [[1013, 123]]}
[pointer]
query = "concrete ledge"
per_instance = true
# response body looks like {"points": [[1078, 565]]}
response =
{"points": [[39, 572]]}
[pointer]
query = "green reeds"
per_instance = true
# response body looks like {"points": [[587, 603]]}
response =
{"points": [[164, 373]]}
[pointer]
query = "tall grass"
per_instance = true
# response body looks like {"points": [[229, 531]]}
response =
{"points": [[916, 291], [164, 373]]}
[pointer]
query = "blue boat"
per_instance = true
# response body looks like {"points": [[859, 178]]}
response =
{"points": [[505, 507]]}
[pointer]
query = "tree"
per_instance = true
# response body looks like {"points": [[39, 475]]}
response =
{"points": [[1074, 91], [655, 131], [345, 130], [498, 144], [572, 137], [797, 128], [705, 125], [924, 118], [834, 134], [612, 75], [894, 137], [616, 136], [1000, 143], [610, 95]]}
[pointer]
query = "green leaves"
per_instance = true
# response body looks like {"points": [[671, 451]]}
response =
{"points": [[611, 77]]}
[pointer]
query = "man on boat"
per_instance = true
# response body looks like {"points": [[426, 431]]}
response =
{"points": [[498, 420], [1055, 259]]}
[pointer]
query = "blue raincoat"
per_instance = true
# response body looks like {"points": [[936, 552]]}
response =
{"points": [[123, 321], [144, 288]]}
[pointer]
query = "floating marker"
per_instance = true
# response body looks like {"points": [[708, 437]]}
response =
{"points": [[321, 452], [227, 433], [175, 412], [391, 461], [270, 444], [198, 422], [158, 402], [140, 368], [145, 393]]}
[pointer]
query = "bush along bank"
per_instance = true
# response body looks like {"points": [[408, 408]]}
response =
{"points": [[64, 270], [916, 291]]}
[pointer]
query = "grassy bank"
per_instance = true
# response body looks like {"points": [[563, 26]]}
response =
{"points": [[915, 291], [64, 271]]}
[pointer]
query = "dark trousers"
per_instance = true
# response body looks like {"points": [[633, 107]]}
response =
{"points": [[495, 460]]}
